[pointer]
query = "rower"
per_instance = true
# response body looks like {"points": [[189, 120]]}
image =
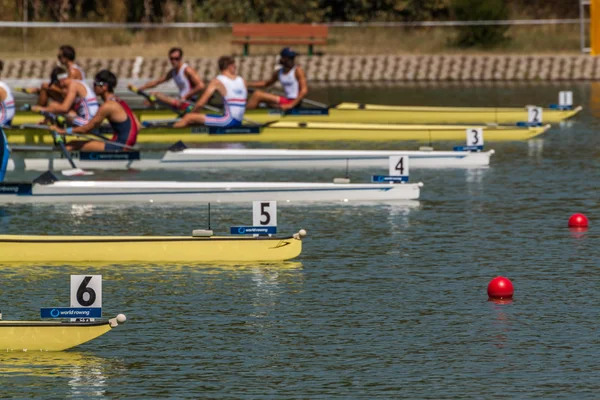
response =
{"points": [[291, 77], [232, 88], [7, 102], [52, 90], [118, 113], [80, 103], [185, 77]]}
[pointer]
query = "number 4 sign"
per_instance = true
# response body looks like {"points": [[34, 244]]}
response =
{"points": [[86, 290]]}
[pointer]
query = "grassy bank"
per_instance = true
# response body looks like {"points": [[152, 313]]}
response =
{"points": [[42, 43]]}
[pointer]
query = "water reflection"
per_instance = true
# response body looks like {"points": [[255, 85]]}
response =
{"points": [[535, 148], [502, 323], [87, 374]]}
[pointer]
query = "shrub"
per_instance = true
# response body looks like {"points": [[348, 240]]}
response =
{"points": [[481, 10]]}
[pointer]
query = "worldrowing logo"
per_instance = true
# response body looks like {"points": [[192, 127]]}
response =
{"points": [[54, 313]]}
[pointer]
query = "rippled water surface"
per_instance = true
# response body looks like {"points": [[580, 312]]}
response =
{"points": [[386, 301]]}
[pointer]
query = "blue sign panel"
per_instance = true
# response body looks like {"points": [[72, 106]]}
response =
{"points": [[112, 155], [559, 107], [527, 124], [308, 111], [389, 178], [71, 312], [468, 148], [253, 230]]}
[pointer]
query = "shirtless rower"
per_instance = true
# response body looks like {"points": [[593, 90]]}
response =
{"points": [[80, 103], [232, 88], [120, 117], [187, 80], [291, 77], [51, 90], [7, 102]]}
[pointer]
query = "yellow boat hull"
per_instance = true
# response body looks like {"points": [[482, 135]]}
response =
{"points": [[48, 336], [113, 249], [286, 132], [376, 114]]}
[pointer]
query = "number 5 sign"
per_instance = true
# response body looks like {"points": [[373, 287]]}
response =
{"points": [[86, 290], [264, 213]]}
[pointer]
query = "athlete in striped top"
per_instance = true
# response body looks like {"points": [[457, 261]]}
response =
{"points": [[7, 102], [232, 88], [291, 77], [187, 80], [124, 123], [80, 103]]}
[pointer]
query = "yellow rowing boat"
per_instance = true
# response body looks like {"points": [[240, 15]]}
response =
{"points": [[51, 335], [190, 249], [374, 114], [305, 132]]}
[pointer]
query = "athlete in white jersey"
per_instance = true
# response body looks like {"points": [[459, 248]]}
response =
{"points": [[291, 77], [80, 103], [187, 80], [232, 88], [7, 102], [51, 90]]}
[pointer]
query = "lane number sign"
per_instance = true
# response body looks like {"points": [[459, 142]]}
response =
{"points": [[534, 115], [264, 213], [475, 137], [86, 291]]}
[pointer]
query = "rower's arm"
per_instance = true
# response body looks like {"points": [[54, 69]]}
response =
{"points": [[103, 112], [267, 83], [2, 95], [156, 82], [196, 83], [302, 87], [213, 86], [65, 106]]}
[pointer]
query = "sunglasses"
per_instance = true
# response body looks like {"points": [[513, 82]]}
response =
{"points": [[99, 83], [174, 58]]}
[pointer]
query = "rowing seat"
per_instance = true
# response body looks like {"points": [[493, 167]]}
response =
{"points": [[280, 34]]}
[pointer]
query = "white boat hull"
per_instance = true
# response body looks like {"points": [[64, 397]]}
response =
{"points": [[207, 159], [202, 192]]}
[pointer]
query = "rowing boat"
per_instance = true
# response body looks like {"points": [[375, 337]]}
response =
{"points": [[371, 113], [179, 157], [48, 189], [303, 132], [175, 249], [51, 335]]}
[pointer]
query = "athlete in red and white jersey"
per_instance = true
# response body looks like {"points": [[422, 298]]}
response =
{"points": [[232, 88], [124, 123], [7, 102], [187, 80], [80, 103], [291, 77]]}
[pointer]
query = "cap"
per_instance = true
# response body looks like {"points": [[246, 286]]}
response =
{"points": [[287, 52]]}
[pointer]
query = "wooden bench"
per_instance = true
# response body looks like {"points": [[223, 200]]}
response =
{"points": [[281, 34]]}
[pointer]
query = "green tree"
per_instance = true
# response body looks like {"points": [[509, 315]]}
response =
{"points": [[478, 10]]}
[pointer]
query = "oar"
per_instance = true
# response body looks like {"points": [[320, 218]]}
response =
{"points": [[189, 107], [74, 171], [304, 100]]}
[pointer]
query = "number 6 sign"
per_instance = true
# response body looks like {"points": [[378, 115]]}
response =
{"points": [[86, 290]]}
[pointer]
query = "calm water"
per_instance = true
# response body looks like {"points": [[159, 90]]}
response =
{"points": [[387, 300]]}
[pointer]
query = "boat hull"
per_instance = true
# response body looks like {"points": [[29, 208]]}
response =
{"points": [[14, 248], [91, 192], [287, 132], [48, 336], [216, 159], [367, 113]]}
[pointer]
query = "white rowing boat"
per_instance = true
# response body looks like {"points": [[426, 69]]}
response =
{"points": [[48, 189], [182, 158]]}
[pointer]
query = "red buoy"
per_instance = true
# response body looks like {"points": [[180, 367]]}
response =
{"points": [[578, 221], [500, 288]]}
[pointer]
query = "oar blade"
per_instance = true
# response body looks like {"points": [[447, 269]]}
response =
{"points": [[76, 172]]}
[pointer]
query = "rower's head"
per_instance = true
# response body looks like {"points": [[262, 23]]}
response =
{"points": [[287, 57], [59, 77], [227, 64], [66, 54], [176, 57], [105, 82]]}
